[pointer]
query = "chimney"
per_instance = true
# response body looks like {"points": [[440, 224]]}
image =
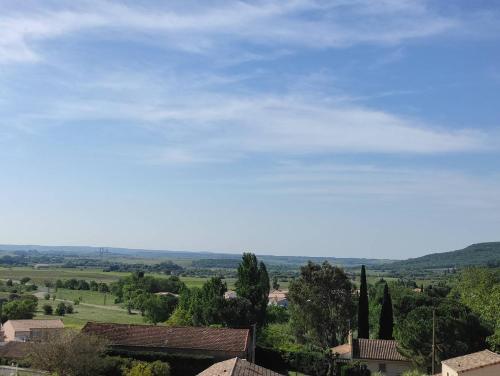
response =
{"points": [[349, 338]]}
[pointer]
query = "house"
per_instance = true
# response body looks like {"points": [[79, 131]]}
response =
{"points": [[219, 343], [230, 294], [482, 363], [379, 355], [279, 298], [27, 330], [237, 367]]}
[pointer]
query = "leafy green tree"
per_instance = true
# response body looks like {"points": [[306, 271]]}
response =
{"points": [[479, 289], [253, 284], [321, 304], [47, 309], [9, 283], [458, 332], [156, 368], [276, 285], [69, 309], [386, 322], [19, 309], [61, 309], [363, 310], [159, 308], [25, 280], [208, 305]]}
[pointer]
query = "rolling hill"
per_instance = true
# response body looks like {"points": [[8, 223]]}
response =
{"points": [[479, 254]]}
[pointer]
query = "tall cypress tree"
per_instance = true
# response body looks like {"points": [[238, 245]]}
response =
{"points": [[253, 284], [363, 321], [386, 321]]}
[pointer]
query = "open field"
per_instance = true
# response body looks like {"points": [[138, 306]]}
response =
{"points": [[85, 296], [84, 313]]}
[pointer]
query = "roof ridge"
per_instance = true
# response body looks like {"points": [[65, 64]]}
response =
{"points": [[235, 359]]}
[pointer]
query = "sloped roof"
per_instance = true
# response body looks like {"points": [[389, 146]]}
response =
{"points": [[14, 350], [472, 361], [26, 325], [237, 367], [342, 349], [199, 338], [380, 349]]}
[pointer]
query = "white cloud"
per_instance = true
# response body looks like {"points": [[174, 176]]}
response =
{"points": [[199, 120], [208, 26]]}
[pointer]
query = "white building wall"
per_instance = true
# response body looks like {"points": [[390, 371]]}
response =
{"points": [[392, 368]]}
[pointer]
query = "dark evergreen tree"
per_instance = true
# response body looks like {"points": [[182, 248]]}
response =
{"points": [[363, 314], [386, 322], [253, 284]]}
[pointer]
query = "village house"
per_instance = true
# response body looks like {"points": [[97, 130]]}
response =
{"points": [[379, 355], [28, 330], [220, 343], [279, 298], [237, 367], [482, 363]]}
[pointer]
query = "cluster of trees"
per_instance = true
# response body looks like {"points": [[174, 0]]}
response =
{"points": [[408, 317], [166, 267], [479, 289], [138, 292], [18, 307], [22, 285], [206, 305], [80, 284]]}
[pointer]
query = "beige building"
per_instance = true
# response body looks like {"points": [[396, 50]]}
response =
{"points": [[237, 367], [379, 355], [27, 330], [482, 363]]}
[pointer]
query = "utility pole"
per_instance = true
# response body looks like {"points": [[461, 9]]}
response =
{"points": [[433, 340]]}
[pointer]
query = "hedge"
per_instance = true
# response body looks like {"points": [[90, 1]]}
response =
{"points": [[308, 362], [180, 364]]}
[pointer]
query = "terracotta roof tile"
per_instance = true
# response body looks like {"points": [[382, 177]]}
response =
{"points": [[381, 349], [199, 338], [26, 325], [237, 367], [472, 361]]}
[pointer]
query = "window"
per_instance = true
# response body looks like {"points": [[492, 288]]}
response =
{"points": [[382, 367]]}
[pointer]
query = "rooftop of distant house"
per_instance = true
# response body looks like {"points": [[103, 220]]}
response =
{"points": [[472, 361], [27, 325], [237, 367], [375, 349], [198, 338]]}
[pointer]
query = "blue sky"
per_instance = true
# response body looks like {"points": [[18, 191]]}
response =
{"points": [[339, 128]]}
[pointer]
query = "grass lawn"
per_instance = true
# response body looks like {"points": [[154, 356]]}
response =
{"points": [[38, 276], [83, 313], [87, 296]]}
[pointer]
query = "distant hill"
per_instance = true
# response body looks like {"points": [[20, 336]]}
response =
{"points": [[476, 254], [202, 258]]}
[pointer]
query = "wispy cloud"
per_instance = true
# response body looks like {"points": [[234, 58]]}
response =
{"points": [[204, 120], [203, 27]]}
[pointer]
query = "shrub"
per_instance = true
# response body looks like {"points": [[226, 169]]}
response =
{"points": [[47, 309], [46, 296], [61, 309], [69, 308]]}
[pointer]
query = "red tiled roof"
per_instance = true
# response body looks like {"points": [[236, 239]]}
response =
{"points": [[198, 338], [380, 349], [237, 367]]}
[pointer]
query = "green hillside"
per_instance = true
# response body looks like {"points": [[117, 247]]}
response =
{"points": [[475, 254]]}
